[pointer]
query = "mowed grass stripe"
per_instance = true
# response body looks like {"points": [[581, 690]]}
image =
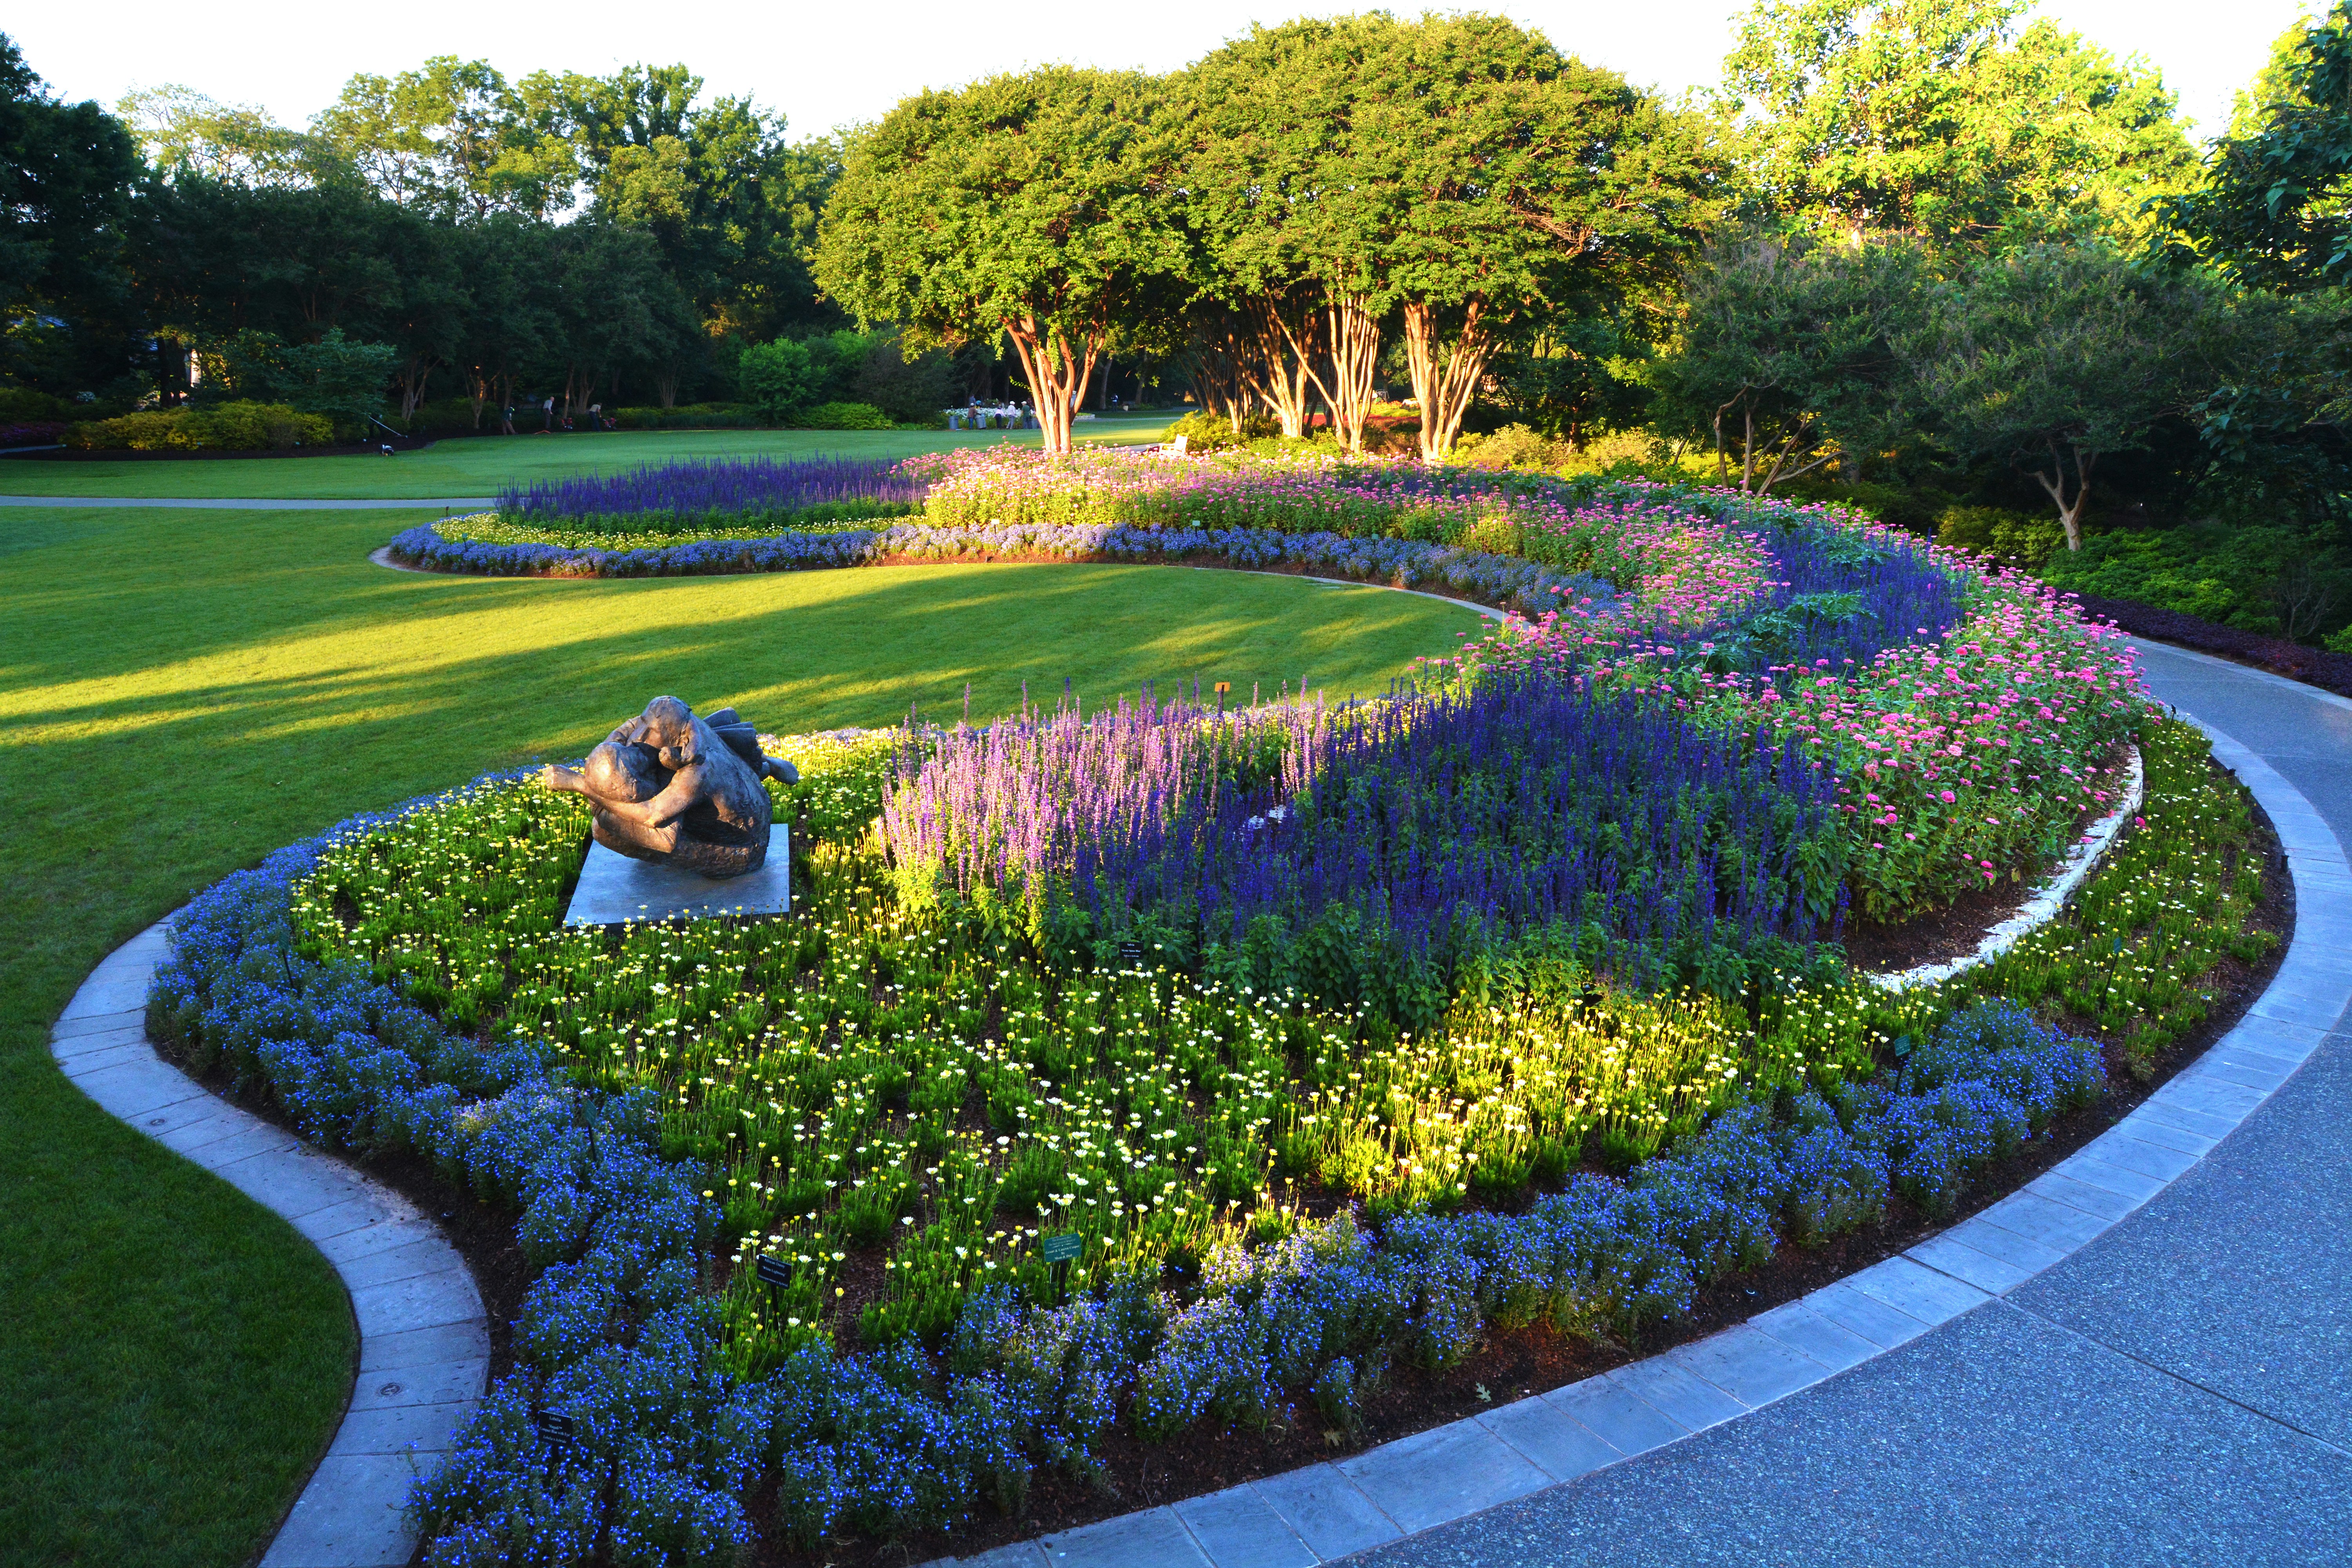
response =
{"points": [[181, 692]]}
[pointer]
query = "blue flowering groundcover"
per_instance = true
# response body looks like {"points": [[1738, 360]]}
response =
{"points": [[621, 1333]]}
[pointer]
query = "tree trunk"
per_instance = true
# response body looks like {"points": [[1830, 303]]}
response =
{"points": [[1284, 349], [1353, 341], [2070, 512], [414, 376], [1444, 386], [1057, 376]]}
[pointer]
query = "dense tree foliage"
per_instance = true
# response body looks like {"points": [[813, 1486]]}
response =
{"points": [[1025, 206], [1943, 120], [65, 176]]}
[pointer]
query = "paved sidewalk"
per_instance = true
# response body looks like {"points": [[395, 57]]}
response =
{"points": [[2178, 1391], [454, 504]]}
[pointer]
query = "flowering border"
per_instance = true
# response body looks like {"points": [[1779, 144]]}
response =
{"points": [[618, 1336]]}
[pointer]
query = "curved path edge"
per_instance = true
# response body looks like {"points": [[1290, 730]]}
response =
{"points": [[423, 1342], [1449, 1473]]}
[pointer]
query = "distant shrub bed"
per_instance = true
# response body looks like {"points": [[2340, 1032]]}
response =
{"points": [[221, 427]]}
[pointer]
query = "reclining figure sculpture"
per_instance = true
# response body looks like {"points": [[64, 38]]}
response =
{"points": [[680, 791]]}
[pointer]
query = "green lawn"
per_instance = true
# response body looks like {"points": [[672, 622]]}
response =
{"points": [[185, 690], [478, 465]]}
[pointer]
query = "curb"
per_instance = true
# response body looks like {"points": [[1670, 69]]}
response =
{"points": [[2048, 900], [424, 1346], [1329, 1510]]}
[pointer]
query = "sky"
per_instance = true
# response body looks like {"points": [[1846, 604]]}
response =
{"points": [[841, 64]]}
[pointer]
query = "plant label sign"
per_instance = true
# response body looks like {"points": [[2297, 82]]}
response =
{"points": [[1062, 1248], [1131, 954], [553, 1429], [772, 1270]]}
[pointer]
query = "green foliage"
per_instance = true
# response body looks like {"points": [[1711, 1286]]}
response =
{"points": [[336, 377], [67, 175], [1791, 354], [2135, 953], [2006, 536], [239, 426], [842, 416], [1514, 446], [2280, 581], [1025, 206], [2052, 356], [1206, 432], [779, 378], [1942, 119], [2276, 208]]}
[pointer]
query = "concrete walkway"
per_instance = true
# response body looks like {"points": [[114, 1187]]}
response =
{"points": [[452, 503], [2177, 1391], [423, 1345]]}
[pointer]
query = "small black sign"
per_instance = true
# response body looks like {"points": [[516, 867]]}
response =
{"points": [[1130, 953], [1062, 1248], [772, 1270], [553, 1428]]}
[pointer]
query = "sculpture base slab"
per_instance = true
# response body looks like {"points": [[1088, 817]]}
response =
{"points": [[615, 888]]}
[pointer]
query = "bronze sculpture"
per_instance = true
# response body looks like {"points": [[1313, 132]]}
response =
{"points": [[681, 790]]}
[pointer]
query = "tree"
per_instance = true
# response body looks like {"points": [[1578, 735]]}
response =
{"points": [[1019, 206], [1514, 181], [1568, 375], [2056, 356], [1942, 120], [68, 172], [449, 138], [1283, 299], [2275, 209], [1791, 355]]}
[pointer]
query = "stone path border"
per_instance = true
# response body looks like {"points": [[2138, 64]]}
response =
{"points": [[1399, 1489], [475, 502], [2047, 900], [424, 1347]]}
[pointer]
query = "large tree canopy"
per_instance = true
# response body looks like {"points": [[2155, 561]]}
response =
{"points": [[2276, 208], [1943, 120], [67, 172], [1455, 174], [1022, 205]]}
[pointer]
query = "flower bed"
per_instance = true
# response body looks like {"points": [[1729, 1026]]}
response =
{"points": [[1332, 1039], [660, 1107]]}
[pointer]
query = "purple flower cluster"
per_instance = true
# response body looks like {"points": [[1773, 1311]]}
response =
{"points": [[1399, 839], [715, 487]]}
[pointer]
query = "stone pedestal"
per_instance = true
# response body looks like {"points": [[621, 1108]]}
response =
{"points": [[614, 889]]}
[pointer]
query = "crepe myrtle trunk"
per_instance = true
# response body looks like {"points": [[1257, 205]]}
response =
{"points": [[1283, 344], [1352, 340], [2055, 485], [1445, 378], [1057, 372]]}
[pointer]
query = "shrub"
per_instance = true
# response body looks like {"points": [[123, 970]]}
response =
{"points": [[2281, 580], [2009, 537], [1513, 446], [1206, 432], [236, 427], [841, 417]]}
